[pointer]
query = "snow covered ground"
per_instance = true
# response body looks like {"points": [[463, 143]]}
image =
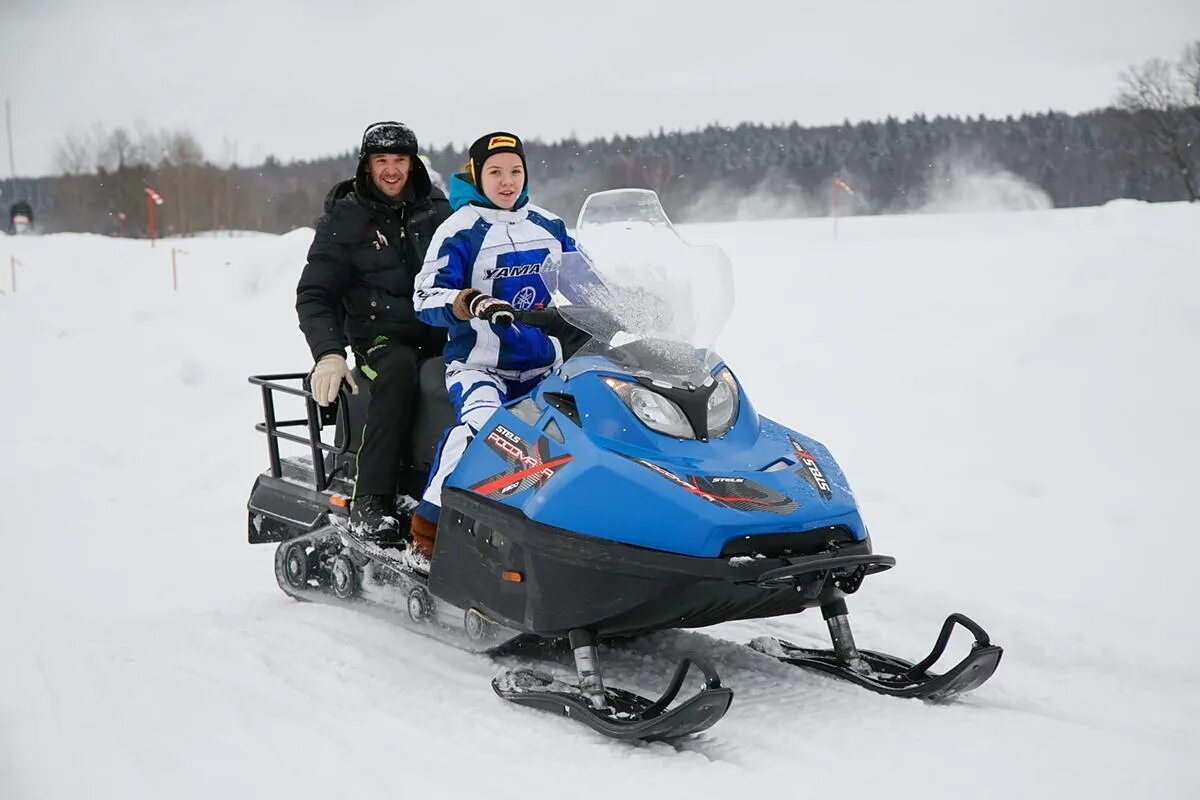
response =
{"points": [[1014, 397]]}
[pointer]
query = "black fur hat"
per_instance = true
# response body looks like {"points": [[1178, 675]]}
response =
{"points": [[397, 138], [388, 137]]}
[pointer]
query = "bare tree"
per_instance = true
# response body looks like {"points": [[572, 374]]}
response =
{"points": [[118, 151], [182, 162], [75, 153], [1189, 75], [223, 198], [1159, 94], [181, 149], [148, 148], [1150, 87]]}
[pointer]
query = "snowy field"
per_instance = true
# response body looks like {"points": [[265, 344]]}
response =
{"points": [[1013, 396]]}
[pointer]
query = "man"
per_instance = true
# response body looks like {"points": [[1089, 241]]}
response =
{"points": [[356, 291], [20, 217]]}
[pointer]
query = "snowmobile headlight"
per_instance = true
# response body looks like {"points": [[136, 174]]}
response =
{"points": [[657, 412], [722, 404]]}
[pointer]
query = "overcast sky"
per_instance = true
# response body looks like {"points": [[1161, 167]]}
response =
{"points": [[301, 79]]}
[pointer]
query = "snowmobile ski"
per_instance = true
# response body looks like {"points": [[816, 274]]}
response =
{"points": [[622, 714], [888, 674]]}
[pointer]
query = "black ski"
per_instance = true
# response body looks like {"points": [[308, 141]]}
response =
{"points": [[894, 676], [627, 716]]}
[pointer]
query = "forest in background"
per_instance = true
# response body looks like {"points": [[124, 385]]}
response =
{"points": [[1145, 147]]}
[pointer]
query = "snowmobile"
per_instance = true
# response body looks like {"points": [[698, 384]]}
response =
{"points": [[635, 490]]}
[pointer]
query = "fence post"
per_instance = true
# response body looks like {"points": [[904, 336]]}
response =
{"points": [[839, 186], [174, 268]]}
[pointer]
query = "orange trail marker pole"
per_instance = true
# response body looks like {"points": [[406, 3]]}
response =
{"points": [[153, 199]]}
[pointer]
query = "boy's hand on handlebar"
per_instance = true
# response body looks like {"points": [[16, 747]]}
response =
{"points": [[494, 311], [474, 303]]}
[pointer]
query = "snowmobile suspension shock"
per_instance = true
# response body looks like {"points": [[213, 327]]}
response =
{"points": [[587, 664], [837, 617]]}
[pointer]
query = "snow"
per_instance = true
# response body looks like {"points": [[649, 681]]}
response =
{"points": [[1012, 395]]}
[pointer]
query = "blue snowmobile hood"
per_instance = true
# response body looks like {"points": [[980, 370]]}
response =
{"points": [[691, 497], [463, 192]]}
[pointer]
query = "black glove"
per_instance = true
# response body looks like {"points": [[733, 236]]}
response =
{"points": [[485, 307]]}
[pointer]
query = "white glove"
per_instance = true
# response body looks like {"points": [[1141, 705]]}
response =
{"points": [[327, 378]]}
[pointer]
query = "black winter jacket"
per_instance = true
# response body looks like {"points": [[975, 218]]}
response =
{"points": [[358, 282]]}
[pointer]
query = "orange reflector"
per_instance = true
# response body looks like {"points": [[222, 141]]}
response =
{"points": [[510, 575], [338, 500]]}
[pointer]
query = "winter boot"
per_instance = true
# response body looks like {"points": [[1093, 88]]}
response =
{"points": [[420, 546], [373, 519]]}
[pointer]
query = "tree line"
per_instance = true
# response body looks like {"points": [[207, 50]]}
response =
{"points": [[1147, 147]]}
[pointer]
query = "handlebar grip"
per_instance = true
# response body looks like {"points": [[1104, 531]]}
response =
{"points": [[538, 317]]}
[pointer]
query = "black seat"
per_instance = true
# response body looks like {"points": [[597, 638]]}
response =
{"points": [[434, 415]]}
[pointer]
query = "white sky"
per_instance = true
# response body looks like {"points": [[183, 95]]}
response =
{"points": [[301, 79]]}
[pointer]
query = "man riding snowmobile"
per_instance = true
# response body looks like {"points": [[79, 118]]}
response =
{"points": [[356, 291]]}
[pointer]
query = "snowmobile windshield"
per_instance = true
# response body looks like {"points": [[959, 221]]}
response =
{"points": [[653, 303]]}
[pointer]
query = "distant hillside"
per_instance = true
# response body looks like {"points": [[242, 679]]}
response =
{"points": [[717, 173]]}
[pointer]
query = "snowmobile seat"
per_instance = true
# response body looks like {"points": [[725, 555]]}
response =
{"points": [[434, 415]]}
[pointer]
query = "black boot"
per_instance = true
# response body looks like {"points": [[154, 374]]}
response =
{"points": [[373, 519]]}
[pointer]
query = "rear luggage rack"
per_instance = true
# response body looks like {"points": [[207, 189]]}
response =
{"points": [[316, 419]]}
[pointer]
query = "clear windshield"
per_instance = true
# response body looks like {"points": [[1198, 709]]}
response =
{"points": [[653, 303]]}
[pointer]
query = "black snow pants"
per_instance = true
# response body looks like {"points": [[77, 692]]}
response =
{"points": [[384, 453]]}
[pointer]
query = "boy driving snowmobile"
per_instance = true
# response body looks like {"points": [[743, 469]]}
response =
{"points": [[483, 264]]}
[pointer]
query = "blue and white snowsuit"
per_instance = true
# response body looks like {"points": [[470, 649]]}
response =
{"points": [[500, 253]]}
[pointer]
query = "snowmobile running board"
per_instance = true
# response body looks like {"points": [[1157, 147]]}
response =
{"points": [[625, 715], [890, 675]]}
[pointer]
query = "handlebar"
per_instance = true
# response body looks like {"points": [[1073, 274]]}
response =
{"points": [[584, 322], [539, 317]]}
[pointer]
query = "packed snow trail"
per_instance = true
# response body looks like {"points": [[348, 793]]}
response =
{"points": [[1011, 395]]}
